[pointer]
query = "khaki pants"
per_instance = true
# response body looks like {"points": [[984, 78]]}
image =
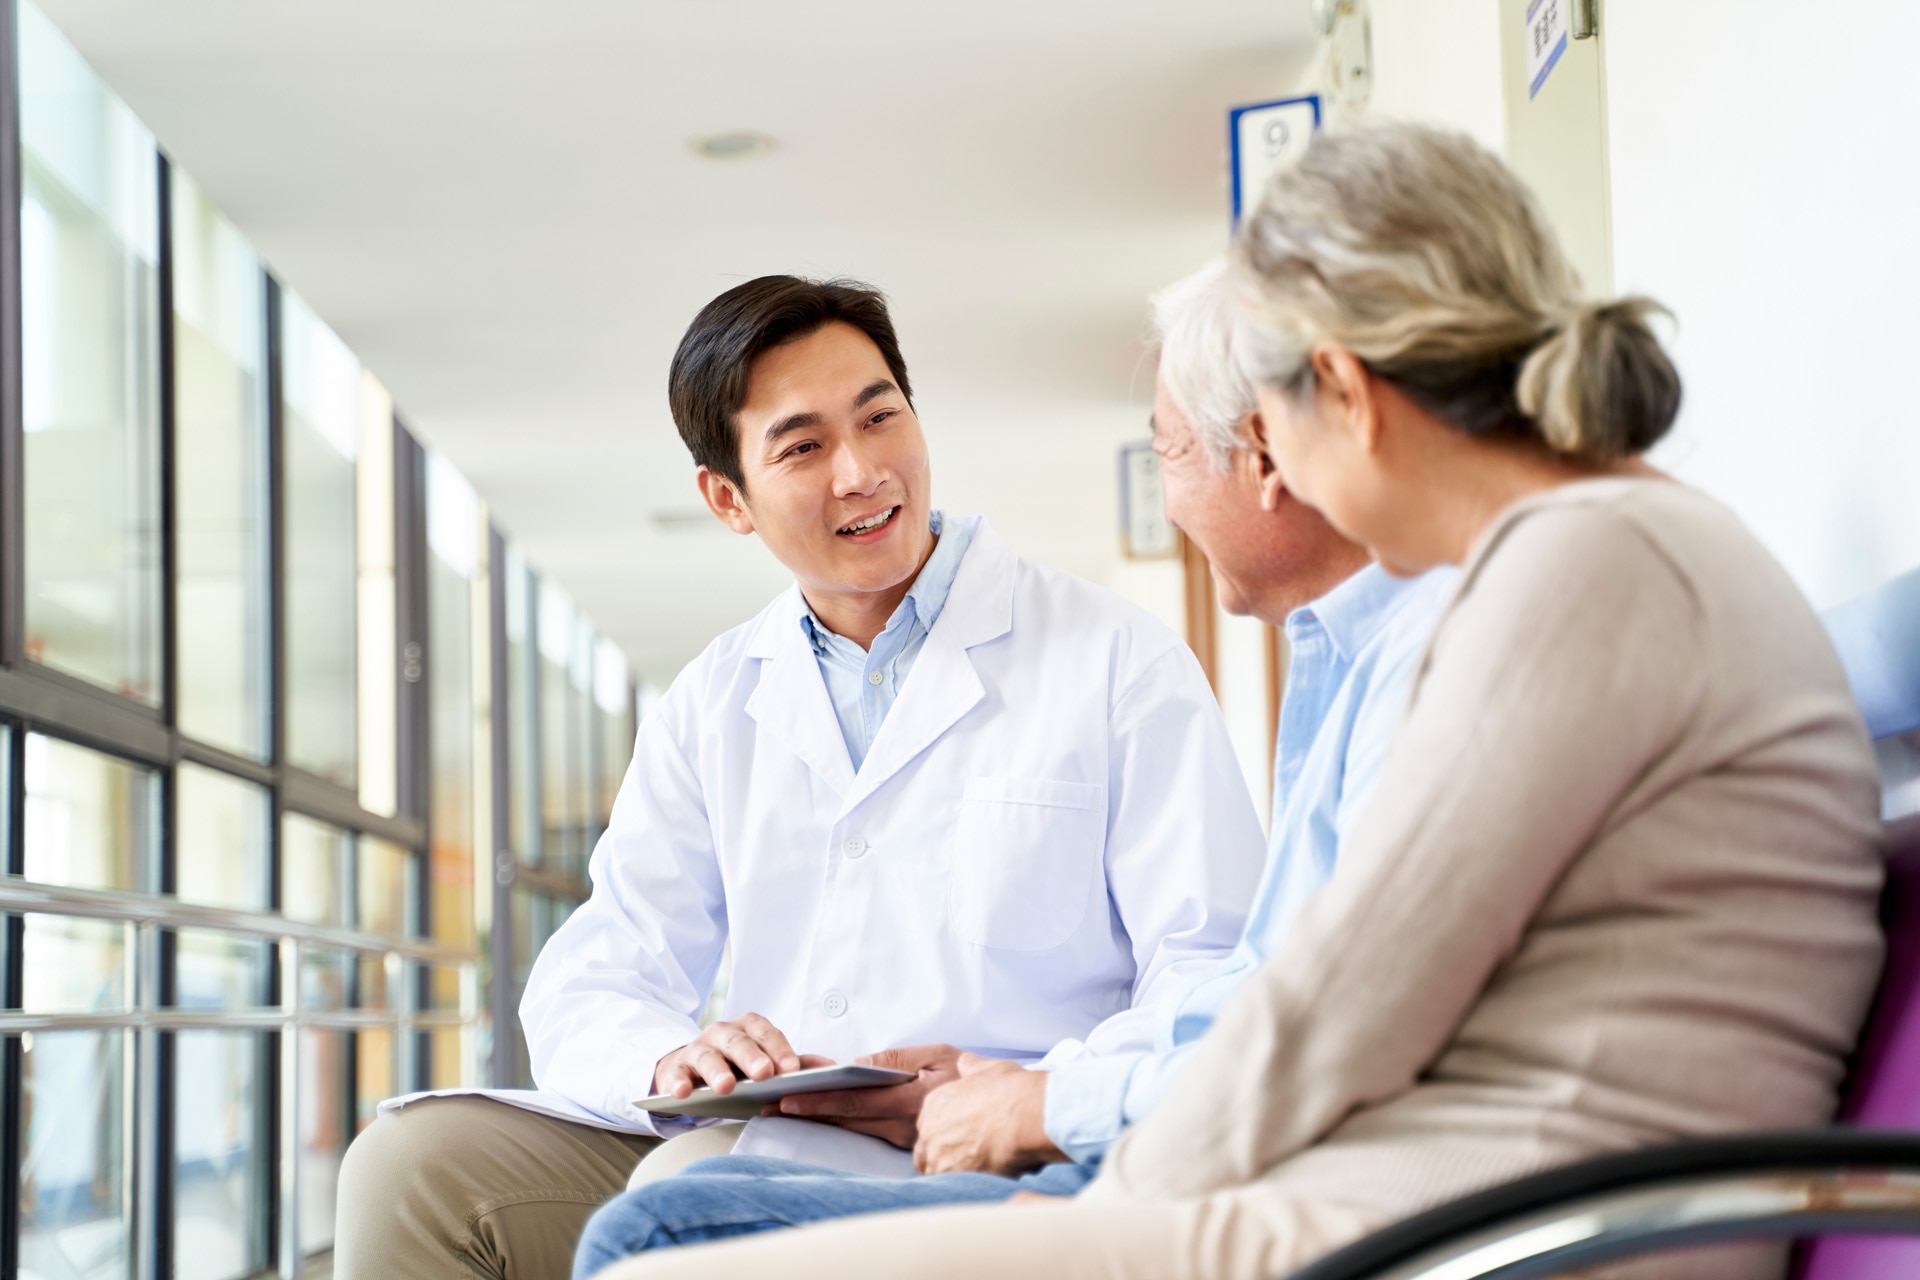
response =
{"points": [[468, 1187]]}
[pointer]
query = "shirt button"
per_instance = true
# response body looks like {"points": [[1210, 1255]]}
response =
{"points": [[874, 678], [835, 1004], [855, 846]]}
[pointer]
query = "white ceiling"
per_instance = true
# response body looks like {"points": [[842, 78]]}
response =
{"points": [[495, 205]]}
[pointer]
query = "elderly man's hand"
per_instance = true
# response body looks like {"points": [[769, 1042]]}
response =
{"points": [[890, 1113], [991, 1120]]}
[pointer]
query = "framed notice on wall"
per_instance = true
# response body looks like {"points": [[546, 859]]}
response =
{"points": [[1145, 531], [1265, 138]]}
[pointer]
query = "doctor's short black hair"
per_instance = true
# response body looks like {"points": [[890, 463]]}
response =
{"points": [[707, 382]]}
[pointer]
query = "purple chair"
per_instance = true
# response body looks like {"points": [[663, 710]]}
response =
{"points": [[1853, 1190]]}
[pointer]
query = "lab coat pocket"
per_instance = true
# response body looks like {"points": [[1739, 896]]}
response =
{"points": [[1024, 855]]}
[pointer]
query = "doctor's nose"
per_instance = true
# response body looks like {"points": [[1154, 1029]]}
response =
{"points": [[856, 472]]}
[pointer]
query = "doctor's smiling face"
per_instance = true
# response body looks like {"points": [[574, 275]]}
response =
{"points": [[835, 475], [793, 398]]}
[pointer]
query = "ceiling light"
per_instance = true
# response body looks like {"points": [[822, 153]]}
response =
{"points": [[735, 144]]}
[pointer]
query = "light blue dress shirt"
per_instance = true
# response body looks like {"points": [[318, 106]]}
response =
{"points": [[863, 683], [1352, 658]]}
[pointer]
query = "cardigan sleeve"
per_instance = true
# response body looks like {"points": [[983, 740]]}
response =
{"points": [[1571, 658]]}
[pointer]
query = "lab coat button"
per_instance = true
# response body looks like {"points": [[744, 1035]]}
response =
{"points": [[855, 846], [835, 1004], [874, 678]]}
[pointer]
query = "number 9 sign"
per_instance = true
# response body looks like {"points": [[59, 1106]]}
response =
{"points": [[1265, 138]]}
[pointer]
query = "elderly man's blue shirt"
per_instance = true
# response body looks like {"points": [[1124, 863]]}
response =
{"points": [[1352, 658]]}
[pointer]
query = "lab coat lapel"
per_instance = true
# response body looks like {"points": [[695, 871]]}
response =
{"points": [[943, 685], [790, 704]]}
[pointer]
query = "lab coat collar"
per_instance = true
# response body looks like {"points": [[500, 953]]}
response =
{"points": [[791, 703], [943, 686]]}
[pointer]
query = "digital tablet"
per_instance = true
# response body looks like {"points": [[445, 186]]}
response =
{"points": [[749, 1096]]}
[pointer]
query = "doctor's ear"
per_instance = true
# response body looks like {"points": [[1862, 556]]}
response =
{"points": [[725, 500]]}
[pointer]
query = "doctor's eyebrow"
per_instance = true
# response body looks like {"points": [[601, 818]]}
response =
{"points": [[873, 391]]}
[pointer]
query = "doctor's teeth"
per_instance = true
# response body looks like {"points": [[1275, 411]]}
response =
{"points": [[872, 522]]}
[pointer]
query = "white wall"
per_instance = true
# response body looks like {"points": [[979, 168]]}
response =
{"points": [[1764, 184], [1765, 181], [1439, 61]]}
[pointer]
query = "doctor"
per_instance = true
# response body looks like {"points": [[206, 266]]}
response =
{"points": [[936, 796]]}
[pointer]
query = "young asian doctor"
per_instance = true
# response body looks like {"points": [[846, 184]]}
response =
{"points": [[936, 797]]}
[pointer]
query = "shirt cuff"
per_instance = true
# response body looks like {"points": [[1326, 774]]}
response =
{"points": [[1086, 1103]]}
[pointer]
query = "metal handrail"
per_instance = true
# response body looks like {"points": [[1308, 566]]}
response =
{"points": [[17, 894], [1744, 1187], [258, 1019], [1628, 1223]]}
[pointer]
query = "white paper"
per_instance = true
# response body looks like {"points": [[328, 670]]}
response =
{"points": [[810, 1142]]}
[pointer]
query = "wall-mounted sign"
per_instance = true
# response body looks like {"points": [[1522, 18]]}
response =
{"points": [[1145, 531], [1546, 41], [1265, 138]]}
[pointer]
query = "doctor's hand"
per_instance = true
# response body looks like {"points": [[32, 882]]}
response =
{"points": [[750, 1043], [889, 1113], [991, 1120]]}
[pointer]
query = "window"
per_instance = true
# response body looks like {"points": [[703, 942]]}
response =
{"points": [[89, 255], [321, 442], [565, 670], [230, 932], [458, 637], [220, 477], [90, 818], [224, 835]]}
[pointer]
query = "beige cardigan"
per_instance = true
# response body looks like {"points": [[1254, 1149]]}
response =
{"points": [[1617, 886]]}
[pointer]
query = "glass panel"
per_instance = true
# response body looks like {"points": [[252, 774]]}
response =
{"points": [[523, 729], [74, 966], [220, 476], [89, 301], [224, 825], [73, 1174], [325, 1095], [219, 970], [455, 539], [447, 1059], [376, 1075], [313, 870], [563, 767], [442, 990], [386, 888], [90, 818], [325, 973], [322, 440], [371, 989], [379, 605], [219, 1179], [613, 706]]}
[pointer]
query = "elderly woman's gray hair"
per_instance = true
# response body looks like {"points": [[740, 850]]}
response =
{"points": [[1193, 324], [1421, 252]]}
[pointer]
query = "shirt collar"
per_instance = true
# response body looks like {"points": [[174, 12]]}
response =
{"points": [[1354, 612], [925, 598]]}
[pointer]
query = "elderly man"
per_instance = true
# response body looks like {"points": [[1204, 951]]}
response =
{"points": [[1355, 637]]}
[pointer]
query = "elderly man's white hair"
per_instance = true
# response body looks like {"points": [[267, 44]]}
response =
{"points": [[1193, 323]]}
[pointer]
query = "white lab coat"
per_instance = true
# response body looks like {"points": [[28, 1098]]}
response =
{"points": [[1050, 829]]}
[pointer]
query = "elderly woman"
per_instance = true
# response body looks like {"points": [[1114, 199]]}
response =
{"points": [[1617, 884]]}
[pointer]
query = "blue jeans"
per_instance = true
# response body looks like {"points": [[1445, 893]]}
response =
{"points": [[726, 1196]]}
